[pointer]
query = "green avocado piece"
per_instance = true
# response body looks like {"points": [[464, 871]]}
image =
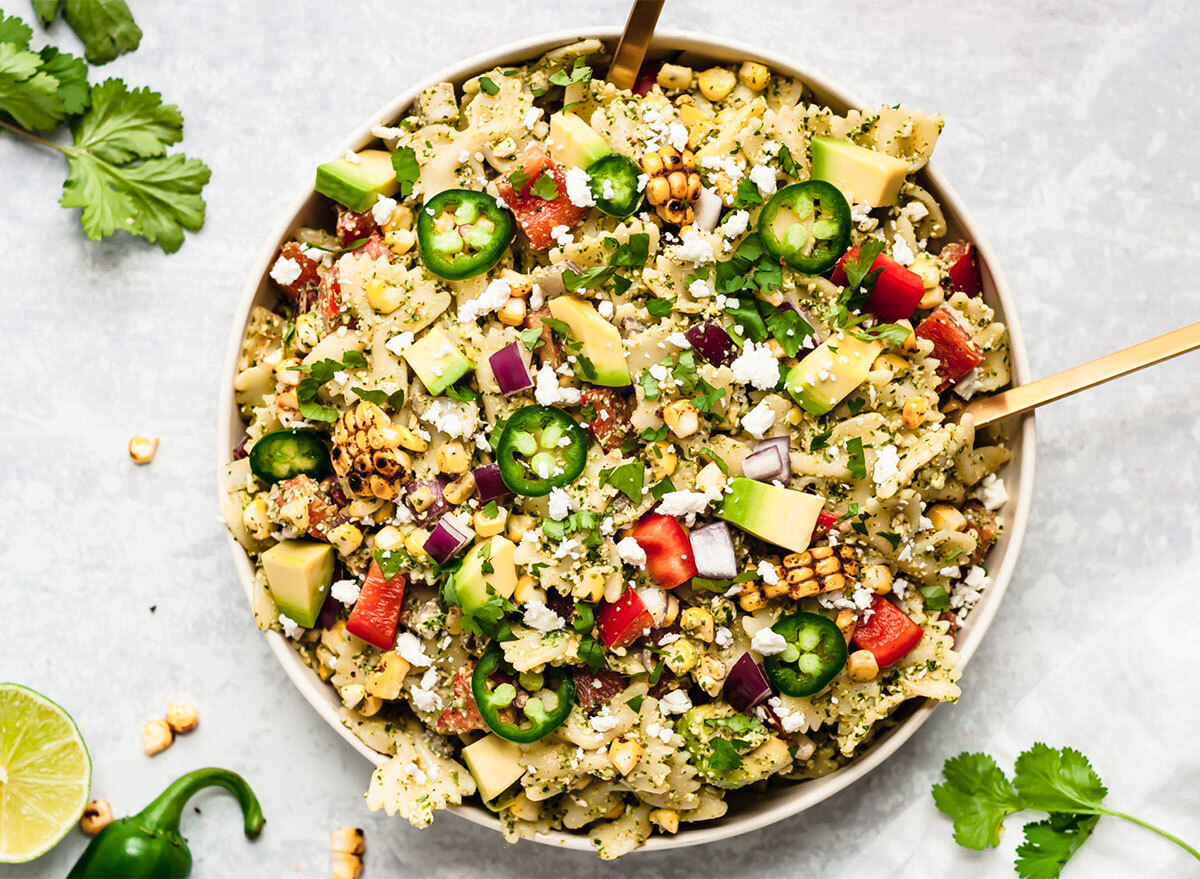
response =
{"points": [[758, 753], [574, 142], [830, 372], [772, 513], [601, 343], [861, 174], [299, 574], [495, 764], [358, 185], [435, 360], [472, 585]]}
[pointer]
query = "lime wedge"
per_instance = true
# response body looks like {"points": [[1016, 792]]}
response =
{"points": [[45, 774]]}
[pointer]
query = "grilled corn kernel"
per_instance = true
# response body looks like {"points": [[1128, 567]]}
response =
{"points": [[846, 623], [454, 620], [667, 819], [946, 518], [652, 164], [287, 371], [518, 524], [142, 449], [658, 190], [932, 298], [862, 666], [346, 866], [307, 331], [370, 706], [662, 460], [754, 75], [716, 83], [414, 543], [410, 440], [590, 586], [402, 218], [877, 578], [795, 416], [698, 622], [389, 538], [710, 673], [345, 537], [96, 816], [751, 597], [489, 525], [400, 241], [671, 612], [182, 717], [675, 76], [421, 498], [156, 736], [384, 682], [711, 477], [512, 313], [460, 490], [893, 363], [776, 349], [452, 457], [926, 268], [350, 840], [913, 412], [682, 417], [624, 754], [528, 590], [352, 694], [383, 297], [256, 520], [681, 656]]}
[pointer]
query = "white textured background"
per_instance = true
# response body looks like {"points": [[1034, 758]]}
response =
{"points": [[1072, 133]]}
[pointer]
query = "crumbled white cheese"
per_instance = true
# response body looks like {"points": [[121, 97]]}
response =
{"points": [[352, 157], [976, 577], [679, 340], [791, 721], [345, 591], [951, 571], [643, 179], [658, 372], [396, 344], [538, 616], [285, 271], [531, 117], [291, 628], [735, 224], [409, 648], [924, 524], [548, 392], [900, 587], [992, 492], [887, 464], [728, 164], [967, 386], [496, 295], [755, 366], [383, 210], [914, 211], [768, 642], [605, 309], [902, 253], [562, 235], [763, 176], [687, 503], [768, 572], [677, 136], [655, 600], [423, 696], [759, 420], [607, 527], [448, 417], [631, 552], [560, 504], [724, 637], [602, 723], [699, 289], [675, 702], [579, 190], [662, 731], [693, 248]]}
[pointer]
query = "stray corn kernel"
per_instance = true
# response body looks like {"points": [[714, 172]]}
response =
{"points": [[518, 525], [384, 298], [414, 543], [682, 418], [489, 525], [716, 83], [512, 313], [182, 716], [528, 591], [97, 815], [913, 412], [410, 440], [675, 76], [452, 457], [698, 622], [662, 460], [370, 706], [388, 538], [862, 666], [460, 490], [346, 537], [156, 736], [624, 754], [754, 75], [681, 656], [142, 449], [877, 578], [385, 680], [667, 819]]}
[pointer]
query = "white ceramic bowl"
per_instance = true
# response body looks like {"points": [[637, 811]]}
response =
{"points": [[746, 812]]}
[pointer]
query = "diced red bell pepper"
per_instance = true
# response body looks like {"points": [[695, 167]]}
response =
{"points": [[964, 267], [669, 557], [646, 78], [897, 290], [351, 225], [623, 621], [611, 426], [888, 633], [308, 279], [535, 215], [376, 248], [330, 292], [462, 716], [593, 689], [376, 614], [547, 352], [826, 522], [952, 345]]}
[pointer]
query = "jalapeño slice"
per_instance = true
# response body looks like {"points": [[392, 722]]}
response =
{"points": [[815, 653], [284, 454], [807, 225], [614, 184], [496, 701], [463, 233], [540, 448]]}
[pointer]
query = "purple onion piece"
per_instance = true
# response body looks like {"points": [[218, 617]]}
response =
{"points": [[239, 451], [329, 612], [784, 446], [562, 605], [746, 685], [550, 279], [338, 496], [510, 370], [436, 509], [488, 483], [766, 465], [448, 537], [711, 342], [712, 548]]}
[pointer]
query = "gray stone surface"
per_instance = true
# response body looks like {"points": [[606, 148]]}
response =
{"points": [[1072, 133]]}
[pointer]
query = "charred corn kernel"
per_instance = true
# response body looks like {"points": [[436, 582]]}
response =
{"points": [[345, 538], [410, 440], [307, 331], [452, 457], [754, 75], [716, 83], [512, 313], [156, 736], [675, 76], [523, 809], [624, 754], [352, 694], [925, 266], [454, 620], [877, 578], [698, 622], [893, 363], [518, 524], [385, 680], [846, 623], [682, 418], [414, 543], [819, 569], [710, 672], [389, 538], [932, 298], [779, 587], [751, 597], [370, 706], [652, 164], [142, 449], [346, 866], [913, 412], [287, 371], [401, 241], [528, 590], [909, 345], [384, 298], [862, 666], [946, 518], [711, 477], [681, 656], [286, 401], [590, 586], [662, 460], [460, 490], [97, 815], [350, 840], [182, 717], [658, 190], [256, 519], [776, 349], [667, 819], [671, 613], [489, 525]]}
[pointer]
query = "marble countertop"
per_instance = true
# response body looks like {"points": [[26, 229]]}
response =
{"points": [[1072, 133]]}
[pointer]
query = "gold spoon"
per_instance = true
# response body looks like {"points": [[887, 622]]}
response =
{"points": [[635, 41], [1021, 399]]}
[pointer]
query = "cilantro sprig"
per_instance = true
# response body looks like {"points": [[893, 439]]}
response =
{"points": [[316, 375], [632, 254], [106, 27], [978, 796]]}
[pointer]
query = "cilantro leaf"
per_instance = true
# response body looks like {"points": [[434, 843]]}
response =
{"points": [[649, 385], [408, 170], [786, 162], [820, 441], [723, 757], [488, 85], [663, 486], [747, 195], [636, 702], [46, 11], [857, 462], [545, 187], [390, 562], [627, 479], [106, 27], [72, 76], [532, 338], [1049, 844], [579, 72], [1058, 780], [518, 179], [592, 654], [659, 307], [738, 724], [977, 796], [860, 278], [786, 325], [380, 398]]}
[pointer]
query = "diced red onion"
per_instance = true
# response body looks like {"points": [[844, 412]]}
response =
{"points": [[510, 370], [488, 483], [562, 605], [329, 612], [436, 509], [708, 209], [239, 451], [766, 465], [784, 445], [448, 537], [711, 342], [550, 281], [712, 549], [746, 685]]}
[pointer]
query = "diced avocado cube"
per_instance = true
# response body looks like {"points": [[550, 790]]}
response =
{"points": [[830, 372], [435, 360], [358, 185], [600, 340], [775, 514], [861, 174], [495, 763], [574, 142], [472, 584], [299, 574]]}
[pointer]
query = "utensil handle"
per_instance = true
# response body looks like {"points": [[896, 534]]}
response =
{"points": [[1079, 378], [635, 41]]}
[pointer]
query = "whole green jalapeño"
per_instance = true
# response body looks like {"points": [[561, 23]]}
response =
{"points": [[463, 233], [807, 225]]}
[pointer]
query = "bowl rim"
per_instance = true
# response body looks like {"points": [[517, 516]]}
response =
{"points": [[1021, 436]]}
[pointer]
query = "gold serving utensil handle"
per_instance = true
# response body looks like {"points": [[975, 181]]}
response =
{"points": [[635, 41], [1079, 378]]}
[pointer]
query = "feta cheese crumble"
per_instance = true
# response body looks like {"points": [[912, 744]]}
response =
{"points": [[548, 392], [497, 293], [396, 344], [538, 616], [631, 552], [768, 642], [768, 572], [755, 366], [887, 464], [675, 702], [693, 248], [579, 190], [902, 253], [562, 235], [409, 649], [345, 591], [763, 176], [759, 420], [687, 504], [560, 504], [291, 628], [735, 224], [423, 696], [448, 417], [383, 210], [285, 271], [991, 492], [602, 723]]}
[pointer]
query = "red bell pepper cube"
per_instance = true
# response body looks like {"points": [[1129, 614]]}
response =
{"points": [[897, 290], [888, 633], [669, 557], [462, 715], [826, 522], [957, 354], [376, 614], [964, 267], [352, 226], [537, 216], [623, 621], [308, 279]]}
